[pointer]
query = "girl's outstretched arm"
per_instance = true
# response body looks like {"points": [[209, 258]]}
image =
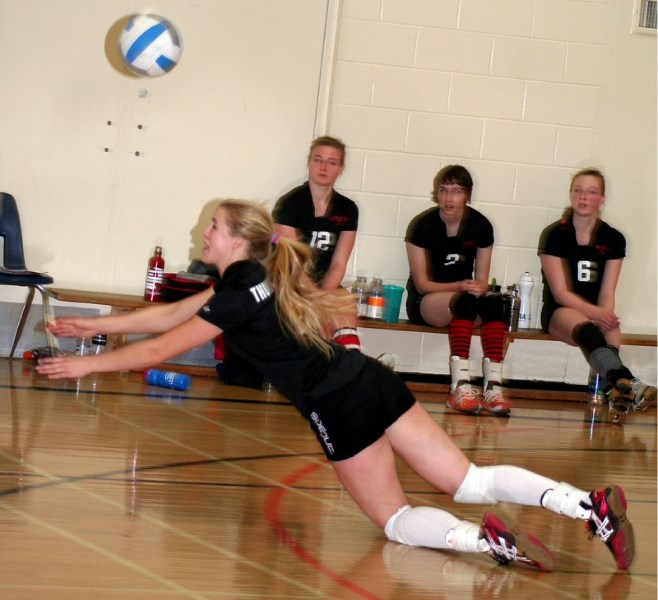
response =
{"points": [[153, 319], [136, 356]]}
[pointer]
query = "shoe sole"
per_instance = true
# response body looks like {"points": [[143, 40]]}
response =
{"points": [[463, 409], [530, 550], [624, 549], [502, 411]]}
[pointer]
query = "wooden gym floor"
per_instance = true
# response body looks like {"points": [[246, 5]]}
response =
{"points": [[112, 489]]}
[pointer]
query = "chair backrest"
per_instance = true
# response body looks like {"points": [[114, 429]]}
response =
{"points": [[10, 230]]}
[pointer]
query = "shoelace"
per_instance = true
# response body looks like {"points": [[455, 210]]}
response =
{"points": [[603, 528], [506, 550]]}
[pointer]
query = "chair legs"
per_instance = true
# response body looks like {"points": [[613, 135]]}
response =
{"points": [[47, 315]]}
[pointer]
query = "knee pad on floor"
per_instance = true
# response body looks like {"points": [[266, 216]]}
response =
{"points": [[477, 487], [464, 306], [491, 307]]}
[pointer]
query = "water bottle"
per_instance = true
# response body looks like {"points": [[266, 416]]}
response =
{"points": [[512, 308], [168, 379], [98, 343], [154, 276], [526, 283], [83, 346], [595, 391], [361, 292], [376, 299]]}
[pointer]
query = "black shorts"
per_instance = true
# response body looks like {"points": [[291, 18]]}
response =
{"points": [[357, 415], [413, 309]]}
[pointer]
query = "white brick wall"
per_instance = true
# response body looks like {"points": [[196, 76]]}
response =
{"points": [[519, 92]]}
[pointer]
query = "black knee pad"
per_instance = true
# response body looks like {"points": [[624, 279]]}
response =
{"points": [[491, 307], [464, 306], [588, 337]]}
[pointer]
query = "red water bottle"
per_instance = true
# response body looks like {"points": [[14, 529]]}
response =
{"points": [[154, 276]]}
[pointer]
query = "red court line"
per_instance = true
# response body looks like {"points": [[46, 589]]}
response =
{"points": [[277, 524]]}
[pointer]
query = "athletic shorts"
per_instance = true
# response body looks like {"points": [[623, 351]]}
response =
{"points": [[413, 309], [547, 311], [357, 415]]}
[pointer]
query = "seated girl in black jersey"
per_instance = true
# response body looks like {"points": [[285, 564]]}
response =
{"points": [[360, 411], [581, 258], [316, 214], [449, 249]]}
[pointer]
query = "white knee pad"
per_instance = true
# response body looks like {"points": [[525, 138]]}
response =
{"points": [[477, 487]]}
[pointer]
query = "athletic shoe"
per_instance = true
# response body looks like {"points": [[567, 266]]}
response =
{"points": [[643, 395], [620, 400], [495, 402], [464, 398], [508, 544], [608, 521], [627, 395]]}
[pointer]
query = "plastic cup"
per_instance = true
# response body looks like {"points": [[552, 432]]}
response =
{"points": [[392, 301]]}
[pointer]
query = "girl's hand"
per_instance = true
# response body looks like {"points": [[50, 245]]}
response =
{"points": [[472, 286], [63, 367], [605, 319], [73, 327]]}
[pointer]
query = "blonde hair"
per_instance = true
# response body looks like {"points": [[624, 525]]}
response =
{"points": [[303, 309]]}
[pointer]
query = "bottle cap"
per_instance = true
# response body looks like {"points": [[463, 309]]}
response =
{"points": [[99, 339]]}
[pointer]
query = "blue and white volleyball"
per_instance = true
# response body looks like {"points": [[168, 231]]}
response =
{"points": [[150, 45]]}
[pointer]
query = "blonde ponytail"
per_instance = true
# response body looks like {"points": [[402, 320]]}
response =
{"points": [[304, 310]]}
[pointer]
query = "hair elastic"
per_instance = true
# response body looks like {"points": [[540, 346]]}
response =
{"points": [[275, 238]]}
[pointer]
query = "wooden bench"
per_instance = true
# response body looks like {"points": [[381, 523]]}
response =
{"points": [[127, 302], [628, 339], [424, 383]]}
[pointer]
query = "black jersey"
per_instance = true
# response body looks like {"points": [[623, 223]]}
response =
{"points": [[449, 258], [584, 264], [244, 308], [296, 209]]}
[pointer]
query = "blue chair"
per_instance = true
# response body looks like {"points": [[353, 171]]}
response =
{"points": [[14, 271]]}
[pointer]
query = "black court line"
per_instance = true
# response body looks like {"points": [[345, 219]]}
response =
{"points": [[144, 394], [108, 475]]}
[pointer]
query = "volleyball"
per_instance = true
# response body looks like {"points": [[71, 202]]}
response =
{"points": [[150, 45]]}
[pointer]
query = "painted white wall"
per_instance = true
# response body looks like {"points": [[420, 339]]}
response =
{"points": [[233, 119]]}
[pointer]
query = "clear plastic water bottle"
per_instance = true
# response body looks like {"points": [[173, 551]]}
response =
{"points": [[526, 283], [376, 299], [361, 292], [98, 344], [83, 346], [595, 391]]}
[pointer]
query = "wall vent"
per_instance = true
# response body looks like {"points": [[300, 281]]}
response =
{"points": [[645, 13]]}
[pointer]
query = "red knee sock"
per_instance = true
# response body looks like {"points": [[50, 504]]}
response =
{"points": [[493, 340], [460, 332], [348, 337]]}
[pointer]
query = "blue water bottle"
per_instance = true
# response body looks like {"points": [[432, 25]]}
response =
{"points": [[168, 379]]}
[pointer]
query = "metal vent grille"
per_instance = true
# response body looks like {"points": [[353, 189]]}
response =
{"points": [[648, 13], [645, 13]]}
